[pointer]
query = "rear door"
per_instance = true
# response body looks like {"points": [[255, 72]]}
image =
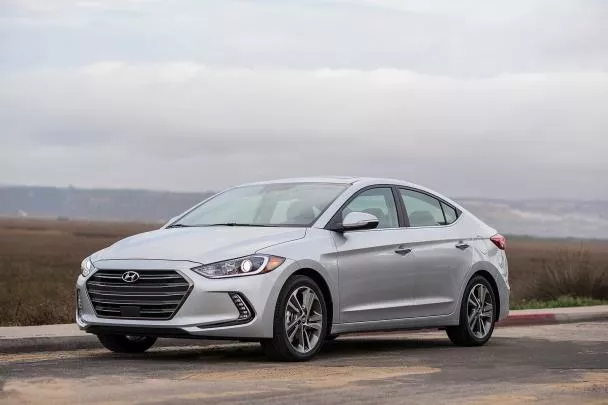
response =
{"points": [[375, 270], [441, 254]]}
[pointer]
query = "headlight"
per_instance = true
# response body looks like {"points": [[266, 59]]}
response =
{"points": [[86, 267], [244, 266]]}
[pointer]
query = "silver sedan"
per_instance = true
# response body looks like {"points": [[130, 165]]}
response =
{"points": [[294, 263]]}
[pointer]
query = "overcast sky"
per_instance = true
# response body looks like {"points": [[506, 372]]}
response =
{"points": [[473, 98]]}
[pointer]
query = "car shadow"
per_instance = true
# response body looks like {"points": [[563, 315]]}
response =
{"points": [[351, 346], [251, 352]]}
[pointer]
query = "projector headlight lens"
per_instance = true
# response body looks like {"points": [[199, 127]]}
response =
{"points": [[243, 266]]}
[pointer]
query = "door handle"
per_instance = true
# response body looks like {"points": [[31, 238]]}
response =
{"points": [[403, 251], [462, 245]]}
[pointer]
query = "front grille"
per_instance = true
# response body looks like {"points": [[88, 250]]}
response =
{"points": [[156, 294]]}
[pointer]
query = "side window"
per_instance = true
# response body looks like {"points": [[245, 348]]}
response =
{"points": [[422, 209], [450, 213], [376, 201]]}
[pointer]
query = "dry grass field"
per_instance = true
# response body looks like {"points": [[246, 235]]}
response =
{"points": [[40, 260]]}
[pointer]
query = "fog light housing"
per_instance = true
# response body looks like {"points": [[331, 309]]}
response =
{"points": [[245, 313]]}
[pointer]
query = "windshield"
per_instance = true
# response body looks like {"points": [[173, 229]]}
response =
{"points": [[286, 204]]}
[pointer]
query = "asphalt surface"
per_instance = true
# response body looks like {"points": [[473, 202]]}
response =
{"points": [[556, 364]]}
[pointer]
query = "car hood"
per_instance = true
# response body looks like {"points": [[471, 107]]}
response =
{"points": [[199, 244]]}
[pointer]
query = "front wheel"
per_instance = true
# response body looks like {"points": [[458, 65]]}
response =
{"points": [[477, 314], [300, 321], [126, 343]]}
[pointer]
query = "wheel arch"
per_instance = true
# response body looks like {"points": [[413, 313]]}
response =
{"points": [[324, 286], [499, 286]]}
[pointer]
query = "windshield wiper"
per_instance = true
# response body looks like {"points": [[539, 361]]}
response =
{"points": [[218, 224], [235, 224], [178, 226]]}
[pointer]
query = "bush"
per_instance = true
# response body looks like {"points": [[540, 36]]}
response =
{"points": [[571, 273]]}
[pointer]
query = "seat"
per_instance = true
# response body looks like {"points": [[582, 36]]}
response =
{"points": [[422, 218], [300, 212], [378, 213]]}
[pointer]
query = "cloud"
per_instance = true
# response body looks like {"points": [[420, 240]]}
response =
{"points": [[188, 126], [46, 6], [499, 99], [467, 39]]}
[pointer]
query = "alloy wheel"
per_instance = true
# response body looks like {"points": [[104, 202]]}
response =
{"points": [[303, 319], [480, 311]]}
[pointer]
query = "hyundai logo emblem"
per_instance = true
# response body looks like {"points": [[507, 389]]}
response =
{"points": [[130, 276]]}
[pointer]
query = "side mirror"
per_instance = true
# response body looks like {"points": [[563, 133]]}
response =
{"points": [[354, 221]]}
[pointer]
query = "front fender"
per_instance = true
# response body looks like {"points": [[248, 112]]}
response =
{"points": [[291, 268], [316, 251]]}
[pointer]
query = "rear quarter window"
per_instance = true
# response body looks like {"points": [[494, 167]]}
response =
{"points": [[450, 213]]}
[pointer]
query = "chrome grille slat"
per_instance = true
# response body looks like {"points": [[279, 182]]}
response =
{"points": [[143, 311], [155, 311], [144, 278], [117, 277], [135, 302], [157, 294], [148, 285], [104, 309], [135, 294]]}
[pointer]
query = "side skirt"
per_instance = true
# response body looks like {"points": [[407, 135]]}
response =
{"points": [[396, 324]]}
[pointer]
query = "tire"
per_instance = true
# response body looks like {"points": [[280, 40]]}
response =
{"points": [[331, 338], [476, 321], [306, 339], [127, 344]]}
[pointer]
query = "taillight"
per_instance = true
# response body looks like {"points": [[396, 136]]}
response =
{"points": [[500, 241]]}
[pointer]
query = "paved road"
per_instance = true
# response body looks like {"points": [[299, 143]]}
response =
{"points": [[559, 364]]}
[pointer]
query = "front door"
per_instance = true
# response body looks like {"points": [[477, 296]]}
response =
{"points": [[375, 268]]}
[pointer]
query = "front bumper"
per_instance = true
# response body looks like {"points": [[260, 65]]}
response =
{"points": [[210, 309]]}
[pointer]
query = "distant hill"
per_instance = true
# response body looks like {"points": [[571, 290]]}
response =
{"points": [[95, 204], [545, 218]]}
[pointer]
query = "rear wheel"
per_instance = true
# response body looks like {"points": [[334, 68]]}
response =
{"points": [[300, 321], [477, 315], [127, 343]]}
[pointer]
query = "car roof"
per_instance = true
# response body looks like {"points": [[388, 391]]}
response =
{"points": [[319, 179], [336, 180], [361, 182]]}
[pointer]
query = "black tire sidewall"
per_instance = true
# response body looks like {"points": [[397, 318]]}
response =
{"points": [[280, 334], [463, 309]]}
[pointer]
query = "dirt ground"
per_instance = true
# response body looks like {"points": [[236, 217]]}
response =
{"points": [[552, 365]]}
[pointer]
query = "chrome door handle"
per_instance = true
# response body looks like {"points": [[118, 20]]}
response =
{"points": [[462, 246], [403, 251]]}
